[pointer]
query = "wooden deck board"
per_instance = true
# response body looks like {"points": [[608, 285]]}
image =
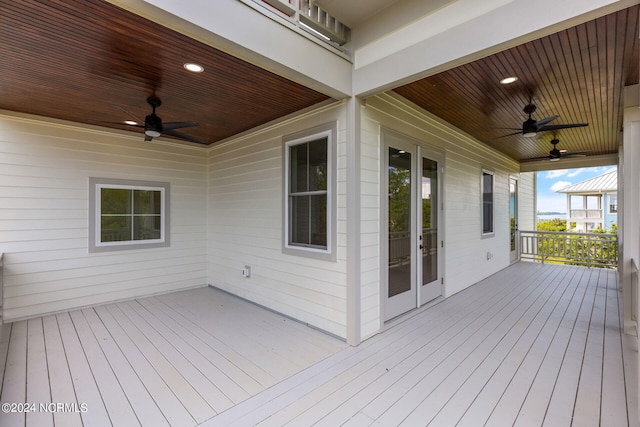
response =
{"points": [[37, 390], [614, 396], [114, 398], [531, 345], [60, 380], [84, 382], [172, 409], [14, 386], [141, 401]]}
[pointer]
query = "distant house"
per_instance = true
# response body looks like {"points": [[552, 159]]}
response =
{"points": [[593, 204]]}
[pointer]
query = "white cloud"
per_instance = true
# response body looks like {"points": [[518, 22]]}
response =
{"points": [[559, 185], [556, 173], [575, 172]]}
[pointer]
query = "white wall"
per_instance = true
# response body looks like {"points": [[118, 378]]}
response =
{"points": [[44, 188], [245, 226], [464, 160]]}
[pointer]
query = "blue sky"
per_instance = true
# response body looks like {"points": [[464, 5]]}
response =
{"points": [[550, 181]]}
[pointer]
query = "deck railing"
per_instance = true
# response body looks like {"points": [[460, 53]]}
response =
{"points": [[586, 213], [588, 249], [306, 14]]}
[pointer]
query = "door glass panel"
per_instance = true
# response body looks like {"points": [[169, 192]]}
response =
{"points": [[429, 238], [399, 221]]}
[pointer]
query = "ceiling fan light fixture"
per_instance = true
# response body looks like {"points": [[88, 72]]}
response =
{"points": [[152, 133], [194, 68], [508, 80], [529, 134], [554, 159]]}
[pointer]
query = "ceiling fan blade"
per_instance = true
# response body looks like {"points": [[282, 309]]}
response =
{"points": [[127, 112], [576, 154], [535, 159], [181, 135], [557, 127], [178, 125], [545, 121], [509, 134], [115, 123]]}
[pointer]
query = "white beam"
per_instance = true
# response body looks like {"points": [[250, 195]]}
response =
{"points": [[464, 31], [570, 163]]}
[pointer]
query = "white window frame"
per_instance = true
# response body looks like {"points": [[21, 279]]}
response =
{"points": [[491, 233], [328, 131], [95, 210]]}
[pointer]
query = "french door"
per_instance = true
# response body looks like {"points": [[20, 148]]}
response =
{"points": [[412, 181]]}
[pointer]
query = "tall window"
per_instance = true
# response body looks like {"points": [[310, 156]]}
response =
{"points": [[613, 203], [487, 202], [309, 192], [127, 214]]}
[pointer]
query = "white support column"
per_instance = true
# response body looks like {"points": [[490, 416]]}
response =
{"points": [[629, 197], [629, 191], [354, 315]]}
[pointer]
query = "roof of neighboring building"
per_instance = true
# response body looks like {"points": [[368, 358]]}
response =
{"points": [[599, 184]]}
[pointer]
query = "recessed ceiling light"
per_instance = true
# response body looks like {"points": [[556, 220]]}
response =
{"points": [[130, 122], [508, 80], [194, 68]]}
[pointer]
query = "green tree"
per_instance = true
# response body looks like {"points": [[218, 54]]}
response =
{"points": [[399, 199], [555, 224]]}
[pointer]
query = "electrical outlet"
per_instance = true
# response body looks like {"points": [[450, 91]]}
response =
{"points": [[246, 271]]}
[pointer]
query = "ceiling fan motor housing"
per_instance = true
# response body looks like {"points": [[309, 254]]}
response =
{"points": [[529, 125], [153, 122]]}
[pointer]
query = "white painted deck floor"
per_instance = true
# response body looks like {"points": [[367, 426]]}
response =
{"points": [[532, 345]]}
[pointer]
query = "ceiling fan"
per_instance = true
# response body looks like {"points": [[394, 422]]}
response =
{"points": [[153, 125], [556, 154], [531, 127]]}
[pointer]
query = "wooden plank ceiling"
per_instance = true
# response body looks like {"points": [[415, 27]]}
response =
{"points": [[87, 61], [91, 62], [577, 74]]}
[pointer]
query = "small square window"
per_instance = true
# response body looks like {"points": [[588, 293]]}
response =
{"points": [[127, 214]]}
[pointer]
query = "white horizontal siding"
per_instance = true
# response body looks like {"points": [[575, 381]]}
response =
{"points": [[245, 220], [527, 201], [44, 199], [370, 226], [465, 158]]}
